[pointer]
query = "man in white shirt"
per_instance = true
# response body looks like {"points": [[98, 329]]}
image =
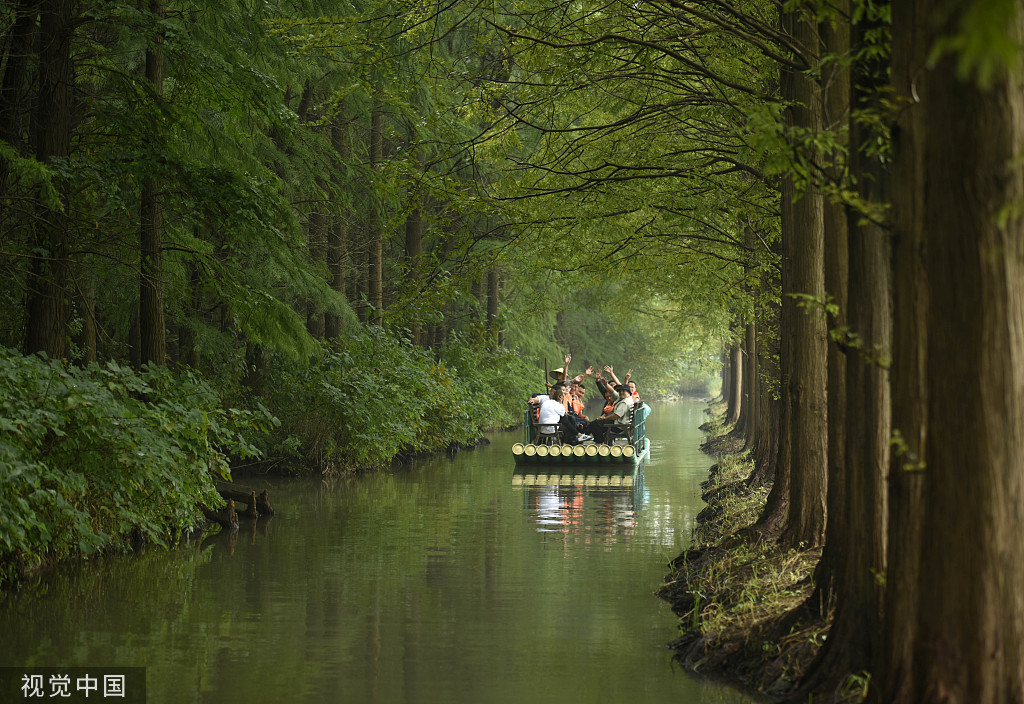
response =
{"points": [[551, 410]]}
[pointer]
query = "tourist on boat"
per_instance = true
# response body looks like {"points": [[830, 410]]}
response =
{"points": [[632, 387], [575, 412], [618, 417], [576, 391], [552, 410], [607, 391], [561, 375]]}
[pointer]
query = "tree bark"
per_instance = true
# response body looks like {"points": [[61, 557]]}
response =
{"points": [[857, 530], [909, 372], [765, 449], [376, 254], [736, 383], [836, 87], [970, 611], [805, 386], [47, 328], [773, 516], [748, 406], [152, 332]]}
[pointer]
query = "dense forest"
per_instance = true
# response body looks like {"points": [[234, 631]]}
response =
{"points": [[332, 234]]}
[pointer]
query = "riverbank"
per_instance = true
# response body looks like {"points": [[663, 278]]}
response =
{"points": [[103, 458], [739, 597]]}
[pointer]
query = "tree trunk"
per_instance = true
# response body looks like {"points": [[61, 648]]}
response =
{"points": [[152, 334], [736, 381], [15, 88], [337, 235], [773, 516], [493, 306], [748, 414], [805, 386], [376, 254], [970, 611], [909, 374], [765, 449], [857, 530], [47, 328], [836, 87]]}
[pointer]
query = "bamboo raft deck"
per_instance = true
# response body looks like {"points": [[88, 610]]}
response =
{"points": [[632, 450], [583, 453]]}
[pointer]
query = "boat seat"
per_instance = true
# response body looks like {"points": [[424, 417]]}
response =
{"points": [[547, 434], [625, 431]]}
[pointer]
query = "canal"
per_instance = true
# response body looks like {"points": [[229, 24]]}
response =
{"points": [[446, 582]]}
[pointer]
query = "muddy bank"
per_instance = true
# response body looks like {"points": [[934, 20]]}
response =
{"points": [[740, 599]]}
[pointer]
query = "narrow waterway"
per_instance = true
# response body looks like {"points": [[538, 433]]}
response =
{"points": [[448, 582]]}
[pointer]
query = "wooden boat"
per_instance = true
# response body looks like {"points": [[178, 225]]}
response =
{"points": [[631, 446]]}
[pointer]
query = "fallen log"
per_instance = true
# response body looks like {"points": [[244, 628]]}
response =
{"points": [[258, 505], [227, 518]]}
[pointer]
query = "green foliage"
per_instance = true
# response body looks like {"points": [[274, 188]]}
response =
{"points": [[982, 40], [370, 397], [91, 456]]}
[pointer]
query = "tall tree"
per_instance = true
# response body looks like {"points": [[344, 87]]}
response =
{"points": [[376, 215], [910, 50], [151, 299], [857, 528], [970, 611], [47, 327], [835, 33]]}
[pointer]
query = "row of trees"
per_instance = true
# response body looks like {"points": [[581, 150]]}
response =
{"points": [[210, 183], [829, 187], [895, 440]]}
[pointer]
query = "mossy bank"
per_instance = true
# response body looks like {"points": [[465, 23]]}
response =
{"points": [[741, 600]]}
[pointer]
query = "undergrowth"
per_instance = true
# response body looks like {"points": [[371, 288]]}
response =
{"points": [[93, 457], [372, 397]]}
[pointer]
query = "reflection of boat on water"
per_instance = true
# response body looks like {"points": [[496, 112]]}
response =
{"points": [[557, 494], [621, 475], [631, 446]]}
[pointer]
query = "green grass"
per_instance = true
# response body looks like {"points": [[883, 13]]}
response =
{"points": [[736, 593]]}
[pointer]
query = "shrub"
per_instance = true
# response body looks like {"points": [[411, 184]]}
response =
{"points": [[91, 456], [367, 398]]}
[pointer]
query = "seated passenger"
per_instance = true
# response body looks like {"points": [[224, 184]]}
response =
{"points": [[575, 413], [552, 411], [632, 388], [576, 392], [607, 391], [618, 417], [561, 374]]}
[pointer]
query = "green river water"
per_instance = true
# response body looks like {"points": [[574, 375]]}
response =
{"points": [[445, 582]]}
